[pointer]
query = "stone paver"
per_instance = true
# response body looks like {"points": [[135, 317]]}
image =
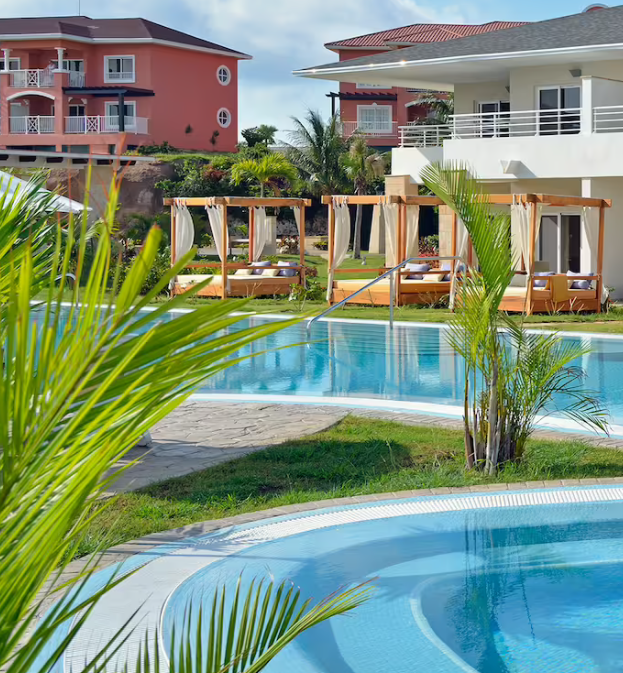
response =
{"points": [[199, 435]]}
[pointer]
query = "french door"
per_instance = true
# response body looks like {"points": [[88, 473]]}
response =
{"points": [[559, 110]]}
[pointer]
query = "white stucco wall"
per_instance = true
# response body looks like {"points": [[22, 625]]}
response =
{"points": [[411, 160], [467, 96]]}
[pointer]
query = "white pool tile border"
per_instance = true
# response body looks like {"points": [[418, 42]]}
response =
{"points": [[152, 585]]}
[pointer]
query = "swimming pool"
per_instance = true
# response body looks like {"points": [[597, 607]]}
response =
{"points": [[411, 368], [512, 582], [367, 364]]}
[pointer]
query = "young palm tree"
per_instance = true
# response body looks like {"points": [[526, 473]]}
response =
{"points": [[441, 107], [265, 171], [363, 166], [80, 383], [316, 149], [511, 376]]}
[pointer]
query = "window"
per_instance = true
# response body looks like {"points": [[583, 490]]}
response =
{"points": [[224, 117], [559, 110], [119, 68], [112, 115], [372, 86], [76, 110], [374, 118], [494, 119], [71, 65], [14, 64], [223, 74]]}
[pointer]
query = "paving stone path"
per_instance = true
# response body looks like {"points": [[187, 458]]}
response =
{"points": [[199, 435]]}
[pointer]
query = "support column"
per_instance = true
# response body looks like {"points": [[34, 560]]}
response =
{"points": [[6, 53], [60, 51], [586, 111], [121, 113], [331, 231], [251, 234]]}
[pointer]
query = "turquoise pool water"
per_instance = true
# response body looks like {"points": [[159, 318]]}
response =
{"points": [[367, 363], [411, 363], [500, 590]]}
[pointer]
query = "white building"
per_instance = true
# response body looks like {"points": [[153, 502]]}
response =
{"points": [[539, 108]]}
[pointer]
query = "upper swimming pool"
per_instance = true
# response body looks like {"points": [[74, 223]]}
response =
{"points": [[361, 363]]}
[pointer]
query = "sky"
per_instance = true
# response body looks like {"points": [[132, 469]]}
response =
{"points": [[285, 35]]}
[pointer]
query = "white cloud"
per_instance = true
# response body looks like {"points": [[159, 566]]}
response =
{"points": [[281, 35]]}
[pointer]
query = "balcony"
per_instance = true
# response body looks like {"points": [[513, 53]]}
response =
{"points": [[35, 79], [36, 125], [378, 129], [103, 124], [582, 142]]}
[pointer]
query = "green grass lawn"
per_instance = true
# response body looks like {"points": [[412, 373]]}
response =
{"points": [[357, 456]]}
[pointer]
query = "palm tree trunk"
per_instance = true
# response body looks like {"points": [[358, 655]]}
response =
{"points": [[357, 236]]}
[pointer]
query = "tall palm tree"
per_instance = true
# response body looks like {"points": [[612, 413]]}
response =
{"points": [[80, 383], [511, 375], [363, 166], [316, 149], [265, 171]]}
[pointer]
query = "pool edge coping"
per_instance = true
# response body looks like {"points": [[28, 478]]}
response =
{"points": [[125, 550]]}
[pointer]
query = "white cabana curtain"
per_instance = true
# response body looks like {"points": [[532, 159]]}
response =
{"points": [[590, 226], [340, 241], [520, 216], [413, 231], [184, 230], [215, 217], [260, 233], [390, 215], [297, 219]]}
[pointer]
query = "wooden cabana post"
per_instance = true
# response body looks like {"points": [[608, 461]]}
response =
{"points": [[251, 234], [225, 239], [302, 245], [331, 232], [531, 256], [173, 236], [600, 256]]}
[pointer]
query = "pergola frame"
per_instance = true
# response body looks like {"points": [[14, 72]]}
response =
{"points": [[240, 202], [534, 200]]}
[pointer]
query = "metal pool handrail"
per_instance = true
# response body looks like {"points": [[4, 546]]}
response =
{"points": [[389, 273]]}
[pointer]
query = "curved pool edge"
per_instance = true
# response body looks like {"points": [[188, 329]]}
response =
{"points": [[165, 545], [553, 423]]}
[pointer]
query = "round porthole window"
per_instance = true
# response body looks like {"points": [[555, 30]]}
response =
{"points": [[223, 75], [224, 117]]}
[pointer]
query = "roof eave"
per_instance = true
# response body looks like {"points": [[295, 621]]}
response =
{"points": [[116, 40], [339, 68]]}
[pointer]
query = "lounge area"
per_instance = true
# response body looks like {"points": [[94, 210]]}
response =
{"points": [[257, 278]]}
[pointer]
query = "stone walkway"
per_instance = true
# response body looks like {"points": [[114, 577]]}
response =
{"points": [[199, 435]]}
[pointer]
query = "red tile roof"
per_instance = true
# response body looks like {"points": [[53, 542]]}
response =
{"points": [[420, 33]]}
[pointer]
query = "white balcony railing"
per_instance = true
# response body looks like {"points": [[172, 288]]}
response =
{"points": [[424, 135], [110, 124], [76, 79], [35, 79], [608, 119], [380, 129], [498, 125], [517, 123], [31, 124]]}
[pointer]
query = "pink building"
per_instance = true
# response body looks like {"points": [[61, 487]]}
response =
{"points": [[106, 85], [379, 112]]}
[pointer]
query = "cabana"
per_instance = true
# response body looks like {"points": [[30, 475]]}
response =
{"points": [[254, 279], [534, 291], [414, 284]]}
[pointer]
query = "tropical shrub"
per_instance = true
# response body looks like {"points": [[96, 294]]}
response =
{"points": [[511, 375], [311, 291], [77, 393]]}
